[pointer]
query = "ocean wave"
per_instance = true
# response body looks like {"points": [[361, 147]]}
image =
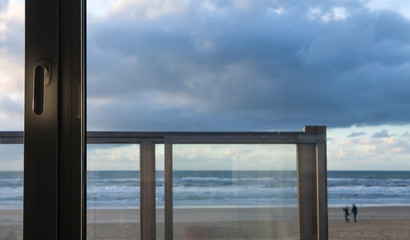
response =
{"points": [[216, 188]]}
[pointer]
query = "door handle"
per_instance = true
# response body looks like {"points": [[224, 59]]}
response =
{"points": [[41, 79]]}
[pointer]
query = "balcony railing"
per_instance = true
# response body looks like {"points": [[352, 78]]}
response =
{"points": [[311, 170]]}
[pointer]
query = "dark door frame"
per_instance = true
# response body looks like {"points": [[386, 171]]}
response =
{"points": [[54, 140]]}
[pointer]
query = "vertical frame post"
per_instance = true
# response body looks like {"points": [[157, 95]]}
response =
{"points": [[321, 183], [168, 193], [147, 192], [312, 186], [72, 124], [41, 130], [306, 186], [54, 138]]}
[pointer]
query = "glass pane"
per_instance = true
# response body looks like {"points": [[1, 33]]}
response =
{"points": [[113, 188], [234, 192], [240, 65], [11, 117]]}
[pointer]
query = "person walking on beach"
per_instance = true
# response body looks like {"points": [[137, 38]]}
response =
{"points": [[346, 210], [354, 212]]}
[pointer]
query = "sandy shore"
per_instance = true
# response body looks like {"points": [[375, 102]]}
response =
{"points": [[373, 223]]}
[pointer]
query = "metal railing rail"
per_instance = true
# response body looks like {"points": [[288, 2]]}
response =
{"points": [[311, 170]]}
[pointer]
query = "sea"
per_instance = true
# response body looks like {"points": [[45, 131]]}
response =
{"points": [[120, 189]]}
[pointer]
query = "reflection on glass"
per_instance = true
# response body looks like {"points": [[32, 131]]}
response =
{"points": [[113, 189], [234, 192]]}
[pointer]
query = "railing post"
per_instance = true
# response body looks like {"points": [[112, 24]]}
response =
{"points": [[168, 192], [306, 186], [312, 186], [147, 193], [321, 183]]}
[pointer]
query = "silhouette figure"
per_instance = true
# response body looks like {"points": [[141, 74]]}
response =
{"points": [[354, 212], [346, 210]]}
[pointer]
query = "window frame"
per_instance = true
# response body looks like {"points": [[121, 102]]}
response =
{"points": [[54, 141]]}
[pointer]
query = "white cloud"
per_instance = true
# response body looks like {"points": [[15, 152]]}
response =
{"points": [[11, 75], [11, 65], [333, 15], [97, 10], [196, 157], [314, 13], [399, 6], [14, 11], [390, 150], [339, 13], [242, 4], [278, 11], [10, 121], [234, 157], [113, 157], [149, 9], [209, 5], [11, 20]]}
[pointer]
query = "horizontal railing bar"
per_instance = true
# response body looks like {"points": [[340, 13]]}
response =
{"points": [[240, 139], [186, 137], [11, 137], [122, 140]]}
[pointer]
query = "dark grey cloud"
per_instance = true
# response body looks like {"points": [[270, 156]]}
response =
{"points": [[356, 134], [382, 134], [253, 70]]}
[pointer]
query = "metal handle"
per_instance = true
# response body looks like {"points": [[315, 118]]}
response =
{"points": [[41, 79]]}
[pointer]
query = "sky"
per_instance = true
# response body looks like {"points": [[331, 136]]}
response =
{"points": [[237, 65]]}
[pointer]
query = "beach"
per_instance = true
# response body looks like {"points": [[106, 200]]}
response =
{"points": [[221, 223]]}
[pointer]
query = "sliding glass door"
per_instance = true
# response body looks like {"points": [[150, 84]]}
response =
{"points": [[153, 68]]}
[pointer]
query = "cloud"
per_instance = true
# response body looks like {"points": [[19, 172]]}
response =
{"points": [[113, 157], [234, 157], [382, 134], [11, 64], [384, 150], [335, 14], [356, 134], [399, 6], [250, 69], [147, 8], [231, 65]]}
